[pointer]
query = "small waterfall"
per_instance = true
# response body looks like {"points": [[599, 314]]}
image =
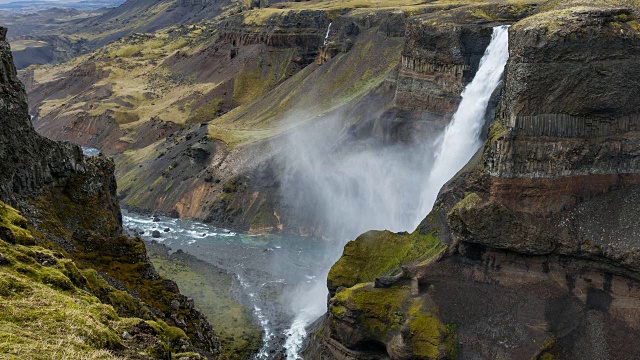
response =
{"points": [[326, 37], [461, 138]]}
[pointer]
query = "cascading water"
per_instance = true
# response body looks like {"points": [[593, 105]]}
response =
{"points": [[326, 37], [461, 138], [369, 187]]}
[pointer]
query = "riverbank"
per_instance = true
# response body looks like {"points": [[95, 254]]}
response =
{"points": [[269, 275]]}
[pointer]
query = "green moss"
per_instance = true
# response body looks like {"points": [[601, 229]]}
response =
{"points": [[44, 315], [378, 253], [429, 338], [470, 201], [425, 336], [385, 313], [11, 285], [249, 85], [171, 333], [380, 310], [128, 51], [123, 302], [55, 278], [207, 112], [209, 287], [482, 14], [125, 117], [338, 311], [11, 219]]}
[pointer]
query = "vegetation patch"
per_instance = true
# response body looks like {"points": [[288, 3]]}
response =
{"points": [[13, 227], [48, 309], [207, 112], [429, 338], [379, 310], [209, 287], [128, 51], [378, 253]]}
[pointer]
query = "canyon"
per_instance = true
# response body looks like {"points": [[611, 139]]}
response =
{"points": [[72, 284], [512, 237]]}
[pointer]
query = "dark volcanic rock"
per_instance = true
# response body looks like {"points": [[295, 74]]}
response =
{"points": [[70, 202], [30, 160], [7, 235], [542, 257]]}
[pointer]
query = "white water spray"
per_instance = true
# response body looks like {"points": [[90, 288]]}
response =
{"points": [[326, 37], [370, 187], [461, 139]]}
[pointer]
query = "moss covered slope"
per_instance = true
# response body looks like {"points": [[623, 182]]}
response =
{"points": [[52, 309]]}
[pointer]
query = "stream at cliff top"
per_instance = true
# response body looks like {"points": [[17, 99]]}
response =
{"points": [[262, 264]]}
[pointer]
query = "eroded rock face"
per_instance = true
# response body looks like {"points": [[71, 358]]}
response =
{"points": [[70, 203], [436, 64], [591, 64], [542, 256], [443, 52], [30, 161]]}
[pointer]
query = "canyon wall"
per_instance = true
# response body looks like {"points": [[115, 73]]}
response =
{"points": [[70, 210], [531, 250]]}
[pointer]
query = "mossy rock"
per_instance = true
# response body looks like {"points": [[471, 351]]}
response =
{"points": [[13, 226], [392, 316], [52, 309], [378, 253], [378, 310]]}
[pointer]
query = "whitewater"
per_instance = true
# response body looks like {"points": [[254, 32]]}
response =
{"points": [[459, 141]]}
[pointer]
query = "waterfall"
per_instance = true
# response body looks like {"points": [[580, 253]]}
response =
{"points": [[461, 139], [326, 37], [373, 187]]}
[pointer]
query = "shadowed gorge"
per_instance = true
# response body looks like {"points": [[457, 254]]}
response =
{"points": [[321, 179]]}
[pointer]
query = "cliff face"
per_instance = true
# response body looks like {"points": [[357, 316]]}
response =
{"points": [[72, 215], [439, 58], [538, 253], [251, 77]]}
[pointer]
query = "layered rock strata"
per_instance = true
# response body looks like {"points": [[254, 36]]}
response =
{"points": [[539, 254]]}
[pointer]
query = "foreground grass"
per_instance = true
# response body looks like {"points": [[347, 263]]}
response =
{"points": [[48, 312]]}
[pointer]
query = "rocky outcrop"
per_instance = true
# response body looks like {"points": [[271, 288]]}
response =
{"points": [[443, 51], [541, 255], [70, 206]]}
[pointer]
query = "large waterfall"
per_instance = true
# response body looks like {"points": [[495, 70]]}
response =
{"points": [[374, 187], [461, 138]]}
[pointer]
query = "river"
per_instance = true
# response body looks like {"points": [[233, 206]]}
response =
{"points": [[261, 264]]}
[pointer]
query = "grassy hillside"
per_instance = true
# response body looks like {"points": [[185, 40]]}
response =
{"points": [[49, 308], [313, 92]]}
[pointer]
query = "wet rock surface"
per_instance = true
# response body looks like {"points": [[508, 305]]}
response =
{"points": [[541, 257]]}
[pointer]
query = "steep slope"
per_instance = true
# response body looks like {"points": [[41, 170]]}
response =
{"points": [[71, 237], [70, 36], [210, 130], [531, 250], [209, 287]]}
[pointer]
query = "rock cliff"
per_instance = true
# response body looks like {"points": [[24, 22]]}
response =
{"points": [[251, 77], [72, 222], [531, 251]]}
